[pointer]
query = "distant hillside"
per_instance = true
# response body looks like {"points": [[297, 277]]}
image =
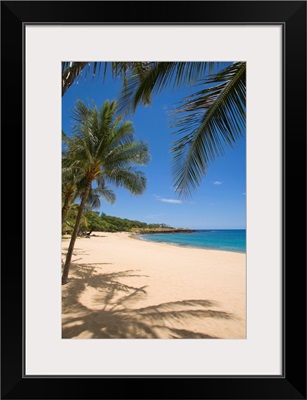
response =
{"points": [[108, 223], [93, 222]]}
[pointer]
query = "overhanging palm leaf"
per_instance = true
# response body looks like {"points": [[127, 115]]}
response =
{"points": [[158, 76], [210, 120]]}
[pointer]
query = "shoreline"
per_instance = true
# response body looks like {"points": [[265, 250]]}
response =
{"points": [[124, 288], [137, 236]]}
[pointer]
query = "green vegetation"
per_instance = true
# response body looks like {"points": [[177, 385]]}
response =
{"points": [[92, 221], [119, 224]]}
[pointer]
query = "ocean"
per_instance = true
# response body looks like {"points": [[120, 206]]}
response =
{"points": [[217, 239]]}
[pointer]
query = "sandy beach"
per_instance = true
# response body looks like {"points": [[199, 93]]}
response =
{"points": [[122, 287]]}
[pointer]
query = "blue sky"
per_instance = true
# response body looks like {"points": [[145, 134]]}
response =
{"points": [[219, 202]]}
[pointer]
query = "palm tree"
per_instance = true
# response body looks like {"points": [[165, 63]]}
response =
{"points": [[207, 121], [102, 147]]}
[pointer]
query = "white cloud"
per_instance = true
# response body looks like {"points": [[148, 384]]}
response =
{"points": [[217, 183], [173, 201]]}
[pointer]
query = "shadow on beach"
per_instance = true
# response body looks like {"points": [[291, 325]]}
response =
{"points": [[116, 315]]}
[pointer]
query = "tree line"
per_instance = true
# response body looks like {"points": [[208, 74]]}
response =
{"points": [[92, 221]]}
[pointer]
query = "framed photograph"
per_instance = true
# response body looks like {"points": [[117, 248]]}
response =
{"points": [[227, 321]]}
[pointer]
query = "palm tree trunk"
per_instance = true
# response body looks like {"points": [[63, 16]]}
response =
{"points": [[74, 234]]}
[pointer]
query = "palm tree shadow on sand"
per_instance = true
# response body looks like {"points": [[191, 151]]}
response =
{"points": [[115, 314]]}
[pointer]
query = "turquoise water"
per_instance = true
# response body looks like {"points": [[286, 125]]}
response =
{"points": [[227, 240]]}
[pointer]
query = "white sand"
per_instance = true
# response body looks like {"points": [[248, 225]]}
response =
{"points": [[121, 287]]}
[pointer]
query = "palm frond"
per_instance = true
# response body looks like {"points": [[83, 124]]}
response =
{"points": [[74, 71], [129, 178], [81, 115], [159, 75], [93, 201], [101, 191], [107, 194], [210, 120], [133, 152], [70, 71]]}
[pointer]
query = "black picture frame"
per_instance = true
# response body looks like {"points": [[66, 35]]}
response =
{"points": [[292, 16]]}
